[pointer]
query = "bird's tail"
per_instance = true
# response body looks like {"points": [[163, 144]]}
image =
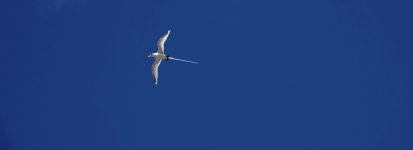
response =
{"points": [[182, 60]]}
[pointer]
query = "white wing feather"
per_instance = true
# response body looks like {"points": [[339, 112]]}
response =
{"points": [[155, 66], [161, 42]]}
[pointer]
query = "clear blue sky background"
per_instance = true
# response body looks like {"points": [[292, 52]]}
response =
{"points": [[286, 75]]}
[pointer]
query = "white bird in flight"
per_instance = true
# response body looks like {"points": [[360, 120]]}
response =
{"points": [[160, 55]]}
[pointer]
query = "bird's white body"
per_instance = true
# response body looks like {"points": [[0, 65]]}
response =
{"points": [[160, 55]]}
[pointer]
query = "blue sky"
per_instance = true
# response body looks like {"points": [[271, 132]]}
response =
{"points": [[287, 75]]}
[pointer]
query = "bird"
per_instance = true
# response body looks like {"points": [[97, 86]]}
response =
{"points": [[160, 55]]}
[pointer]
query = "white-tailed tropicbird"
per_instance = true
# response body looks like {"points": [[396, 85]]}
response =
{"points": [[160, 55]]}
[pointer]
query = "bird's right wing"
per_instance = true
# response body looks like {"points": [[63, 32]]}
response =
{"points": [[155, 66], [161, 42]]}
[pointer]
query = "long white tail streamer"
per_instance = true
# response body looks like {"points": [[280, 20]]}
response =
{"points": [[182, 60]]}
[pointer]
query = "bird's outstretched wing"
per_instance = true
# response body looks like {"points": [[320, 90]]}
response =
{"points": [[155, 66], [161, 42]]}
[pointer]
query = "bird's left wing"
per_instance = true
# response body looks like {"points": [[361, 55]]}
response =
{"points": [[161, 42], [155, 66]]}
